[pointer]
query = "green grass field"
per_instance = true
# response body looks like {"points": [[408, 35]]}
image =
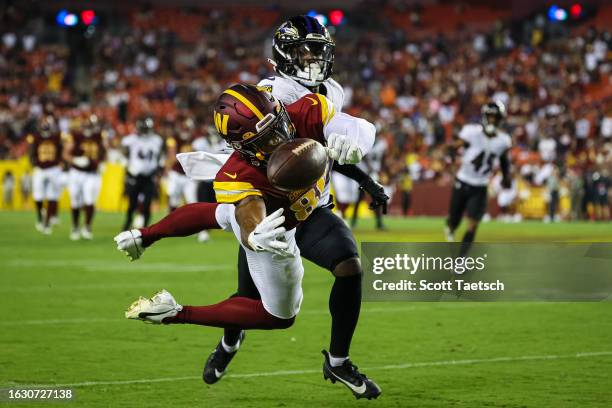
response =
{"points": [[63, 323]]}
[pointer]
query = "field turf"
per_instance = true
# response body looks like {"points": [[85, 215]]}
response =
{"points": [[62, 323]]}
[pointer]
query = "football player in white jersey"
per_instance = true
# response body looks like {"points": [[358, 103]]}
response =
{"points": [[143, 151], [484, 145]]}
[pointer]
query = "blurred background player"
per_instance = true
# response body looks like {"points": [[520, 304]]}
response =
{"points": [[209, 141], [84, 151], [143, 151], [483, 146], [372, 165], [180, 187], [506, 199], [46, 156]]}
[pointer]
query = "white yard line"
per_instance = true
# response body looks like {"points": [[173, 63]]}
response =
{"points": [[313, 371], [390, 309]]}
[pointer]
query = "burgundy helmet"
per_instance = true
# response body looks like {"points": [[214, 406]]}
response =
{"points": [[252, 121]]}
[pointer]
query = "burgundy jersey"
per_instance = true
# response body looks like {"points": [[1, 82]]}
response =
{"points": [[238, 179], [182, 146], [91, 147], [46, 151]]}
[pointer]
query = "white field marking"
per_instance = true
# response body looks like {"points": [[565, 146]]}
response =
{"points": [[313, 371], [423, 306], [122, 266]]}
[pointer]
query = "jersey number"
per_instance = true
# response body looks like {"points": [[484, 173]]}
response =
{"points": [[91, 150], [307, 202], [481, 165], [46, 152]]}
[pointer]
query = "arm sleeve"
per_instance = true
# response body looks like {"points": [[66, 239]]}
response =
{"points": [[351, 171], [359, 130]]}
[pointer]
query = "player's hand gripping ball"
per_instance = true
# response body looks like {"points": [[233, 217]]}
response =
{"points": [[297, 164]]}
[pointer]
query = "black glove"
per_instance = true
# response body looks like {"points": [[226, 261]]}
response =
{"points": [[379, 198]]}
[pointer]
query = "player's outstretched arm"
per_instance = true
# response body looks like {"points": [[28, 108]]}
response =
{"points": [[187, 220], [258, 231], [366, 183]]}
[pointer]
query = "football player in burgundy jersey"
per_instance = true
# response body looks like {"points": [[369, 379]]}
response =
{"points": [[254, 123], [46, 157], [84, 151]]}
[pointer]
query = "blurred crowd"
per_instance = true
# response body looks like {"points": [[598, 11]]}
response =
{"points": [[419, 90]]}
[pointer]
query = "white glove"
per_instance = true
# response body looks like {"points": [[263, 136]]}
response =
{"points": [[342, 149], [130, 243], [80, 161], [269, 236]]}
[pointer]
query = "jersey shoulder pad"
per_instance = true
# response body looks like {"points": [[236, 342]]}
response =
{"points": [[506, 139], [468, 131], [170, 142], [30, 138], [337, 93], [237, 180]]}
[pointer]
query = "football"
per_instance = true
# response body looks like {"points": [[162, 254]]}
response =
{"points": [[297, 164]]}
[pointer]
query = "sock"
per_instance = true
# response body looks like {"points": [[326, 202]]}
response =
{"points": [[235, 312], [344, 306], [75, 217], [89, 213], [51, 212], [466, 243], [230, 349], [231, 336], [39, 205], [336, 361], [186, 220]]}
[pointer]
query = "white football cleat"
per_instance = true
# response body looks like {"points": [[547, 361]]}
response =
{"points": [[155, 309], [47, 230], [130, 243], [203, 236], [450, 237], [39, 227], [86, 233], [74, 235]]}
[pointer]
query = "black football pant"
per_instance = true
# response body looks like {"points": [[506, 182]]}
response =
{"points": [[134, 187], [325, 240]]}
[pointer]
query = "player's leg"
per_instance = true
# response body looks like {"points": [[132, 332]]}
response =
{"points": [[132, 190], [360, 198], [37, 196], [455, 210], [91, 190], [174, 190], [232, 338], [52, 193], [148, 192], [476, 207], [327, 241], [75, 191]]}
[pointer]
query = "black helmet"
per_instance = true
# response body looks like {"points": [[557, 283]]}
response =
{"points": [[303, 50], [493, 114]]}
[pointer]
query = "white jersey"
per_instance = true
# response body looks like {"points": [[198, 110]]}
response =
{"points": [[288, 90], [481, 154], [144, 153]]}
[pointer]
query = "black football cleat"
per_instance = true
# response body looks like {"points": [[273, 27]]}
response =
{"points": [[218, 361], [360, 385]]}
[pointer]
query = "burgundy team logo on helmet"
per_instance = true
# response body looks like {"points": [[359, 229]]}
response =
{"points": [[252, 121]]}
